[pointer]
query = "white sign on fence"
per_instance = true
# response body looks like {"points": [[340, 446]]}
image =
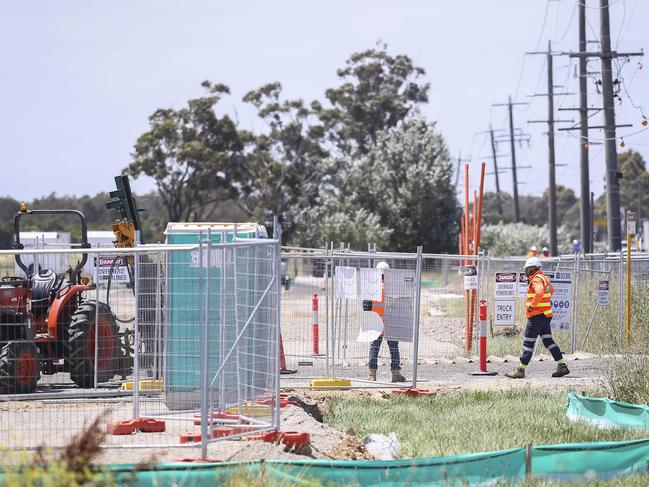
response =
{"points": [[561, 299], [603, 294], [522, 285], [115, 267], [505, 299], [470, 278], [505, 312], [505, 287]]}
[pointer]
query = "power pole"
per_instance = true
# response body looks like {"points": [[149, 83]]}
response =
{"points": [[512, 140], [586, 227], [612, 182], [552, 185], [495, 158], [608, 96]]}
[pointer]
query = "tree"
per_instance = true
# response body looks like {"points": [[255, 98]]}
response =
{"points": [[194, 156], [513, 239], [377, 92], [406, 180], [286, 167], [634, 185], [566, 201]]}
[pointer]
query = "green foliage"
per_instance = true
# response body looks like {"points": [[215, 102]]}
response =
{"points": [[377, 92], [506, 239], [534, 209], [507, 420], [628, 379], [286, 167], [406, 180], [193, 155]]}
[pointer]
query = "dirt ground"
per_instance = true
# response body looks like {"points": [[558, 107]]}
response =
{"points": [[39, 422]]}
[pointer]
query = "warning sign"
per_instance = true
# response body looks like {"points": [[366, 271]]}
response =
{"points": [[603, 294], [470, 278], [504, 312], [522, 285], [505, 287], [115, 267], [561, 299]]}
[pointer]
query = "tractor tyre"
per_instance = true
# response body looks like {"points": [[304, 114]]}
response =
{"points": [[19, 368], [81, 344]]}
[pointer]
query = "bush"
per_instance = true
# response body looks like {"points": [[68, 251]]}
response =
{"points": [[507, 239], [628, 379]]}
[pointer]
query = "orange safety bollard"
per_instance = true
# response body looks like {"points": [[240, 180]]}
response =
{"points": [[483, 340], [316, 345]]}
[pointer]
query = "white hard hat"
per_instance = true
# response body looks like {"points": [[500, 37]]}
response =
{"points": [[383, 266], [533, 248], [532, 262]]}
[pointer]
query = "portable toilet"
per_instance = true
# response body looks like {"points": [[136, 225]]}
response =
{"points": [[182, 307]]}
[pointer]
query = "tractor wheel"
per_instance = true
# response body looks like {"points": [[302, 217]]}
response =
{"points": [[82, 344], [19, 368]]}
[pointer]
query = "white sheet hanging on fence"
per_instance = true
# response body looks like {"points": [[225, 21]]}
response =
{"points": [[371, 327], [371, 284], [346, 282]]}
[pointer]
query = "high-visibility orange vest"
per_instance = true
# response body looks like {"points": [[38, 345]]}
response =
{"points": [[539, 304], [379, 306]]}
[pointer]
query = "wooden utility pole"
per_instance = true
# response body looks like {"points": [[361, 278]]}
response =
{"points": [[608, 95], [552, 184], [495, 158], [586, 226], [512, 140]]}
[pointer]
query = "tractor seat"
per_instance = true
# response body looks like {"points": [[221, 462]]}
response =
{"points": [[42, 284]]}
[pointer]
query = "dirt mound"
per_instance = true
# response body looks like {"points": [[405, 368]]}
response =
{"points": [[350, 448]]}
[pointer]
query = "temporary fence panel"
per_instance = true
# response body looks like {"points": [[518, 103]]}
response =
{"points": [[196, 326], [338, 306]]}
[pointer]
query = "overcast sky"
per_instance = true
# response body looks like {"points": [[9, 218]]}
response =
{"points": [[79, 78]]}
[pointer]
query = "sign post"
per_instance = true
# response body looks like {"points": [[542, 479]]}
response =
{"points": [[630, 231]]}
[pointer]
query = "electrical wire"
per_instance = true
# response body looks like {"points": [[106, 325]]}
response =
{"points": [[565, 33]]}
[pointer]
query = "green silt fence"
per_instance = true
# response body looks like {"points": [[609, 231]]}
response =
{"points": [[605, 413], [579, 461]]}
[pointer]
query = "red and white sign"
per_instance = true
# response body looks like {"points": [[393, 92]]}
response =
{"points": [[115, 267]]}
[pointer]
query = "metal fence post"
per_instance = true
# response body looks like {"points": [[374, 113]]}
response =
{"points": [[96, 357], [575, 306], [415, 344], [203, 326], [278, 290], [620, 299], [136, 333]]}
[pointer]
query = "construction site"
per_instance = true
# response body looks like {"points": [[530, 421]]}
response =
{"points": [[299, 285]]}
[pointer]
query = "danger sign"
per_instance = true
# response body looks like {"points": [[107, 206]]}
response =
{"points": [[505, 290], [113, 267], [505, 285]]}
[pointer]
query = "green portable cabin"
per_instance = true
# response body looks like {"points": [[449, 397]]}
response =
{"points": [[185, 297]]}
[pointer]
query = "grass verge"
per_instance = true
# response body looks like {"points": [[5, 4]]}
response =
{"points": [[468, 422]]}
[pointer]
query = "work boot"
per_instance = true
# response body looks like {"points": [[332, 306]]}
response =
{"points": [[562, 369], [371, 375], [518, 373], [397, 377]]}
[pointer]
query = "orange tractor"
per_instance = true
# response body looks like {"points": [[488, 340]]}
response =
{"points": [[50, 324]]}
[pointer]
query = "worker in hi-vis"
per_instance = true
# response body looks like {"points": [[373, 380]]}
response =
{"points": [[395, 359], [539, 316]]}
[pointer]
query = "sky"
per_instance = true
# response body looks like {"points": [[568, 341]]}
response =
{"points": [[79, 79]]}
